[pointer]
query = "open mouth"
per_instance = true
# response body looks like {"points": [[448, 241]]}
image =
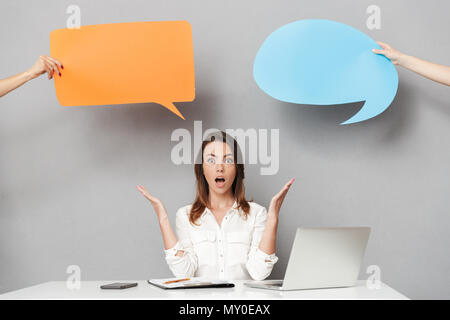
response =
{"points": [[220, 182]]}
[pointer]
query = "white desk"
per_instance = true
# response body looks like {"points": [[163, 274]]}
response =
{"points": [[91, 290]]}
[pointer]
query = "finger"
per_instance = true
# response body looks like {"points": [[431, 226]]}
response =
{"points": [[280, 195], [286, 189], [281, 192], [283, 195], [54, 67], [50, 67], [290, 182], [142, 189], [383, 45], [56, 61], [48, 70], [145, 193], [379, 51]]}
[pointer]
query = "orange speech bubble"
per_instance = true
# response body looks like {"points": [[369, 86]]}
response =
{"points": [[125, 63]]}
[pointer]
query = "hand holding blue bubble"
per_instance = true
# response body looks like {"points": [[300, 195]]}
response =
{"points": [[322, 62]]}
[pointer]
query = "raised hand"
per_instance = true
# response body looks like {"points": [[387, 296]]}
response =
{"points": [[389, 52], [277, 200], [156, 203], [45, 64], [433, 71]]}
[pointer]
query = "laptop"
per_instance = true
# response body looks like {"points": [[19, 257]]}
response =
{"points": [[322, 258]]}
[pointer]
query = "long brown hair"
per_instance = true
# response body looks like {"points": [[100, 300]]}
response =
{"points": [[202, 198]]}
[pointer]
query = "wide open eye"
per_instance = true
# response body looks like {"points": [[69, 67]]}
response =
{"points": [[210, 160], [229, 160]]}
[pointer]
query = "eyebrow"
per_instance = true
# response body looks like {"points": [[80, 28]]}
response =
{"points": [[212, 154]]}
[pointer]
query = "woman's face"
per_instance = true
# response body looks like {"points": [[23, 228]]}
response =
{"points": [[218, 166]]}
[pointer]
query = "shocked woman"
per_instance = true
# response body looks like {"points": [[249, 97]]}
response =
{"points": [[221, 235]]}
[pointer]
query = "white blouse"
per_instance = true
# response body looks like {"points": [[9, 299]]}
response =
{"points": [[229, 251]]}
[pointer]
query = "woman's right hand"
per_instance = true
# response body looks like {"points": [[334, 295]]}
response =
{"points": [[392, 54], [169, 237], [156, 203]]}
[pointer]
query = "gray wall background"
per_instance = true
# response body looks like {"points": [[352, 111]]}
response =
{"points": [[68, 174]]}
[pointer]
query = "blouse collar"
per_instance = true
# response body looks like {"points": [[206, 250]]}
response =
{"points": [[233, 208]]}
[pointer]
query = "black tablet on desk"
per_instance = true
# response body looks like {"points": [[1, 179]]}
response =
{"points": [[189, 283]]}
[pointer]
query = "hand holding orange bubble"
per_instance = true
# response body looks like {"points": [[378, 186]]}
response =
{"points": [[125, 63]]}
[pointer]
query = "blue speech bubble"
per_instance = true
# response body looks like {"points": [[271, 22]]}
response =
{"points": [[323, 62]]}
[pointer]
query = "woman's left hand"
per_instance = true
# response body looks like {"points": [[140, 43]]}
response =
{"points": [[45, 64], [277, 201]]}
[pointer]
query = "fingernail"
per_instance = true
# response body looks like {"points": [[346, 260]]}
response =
{"points": [[62, 67]]}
